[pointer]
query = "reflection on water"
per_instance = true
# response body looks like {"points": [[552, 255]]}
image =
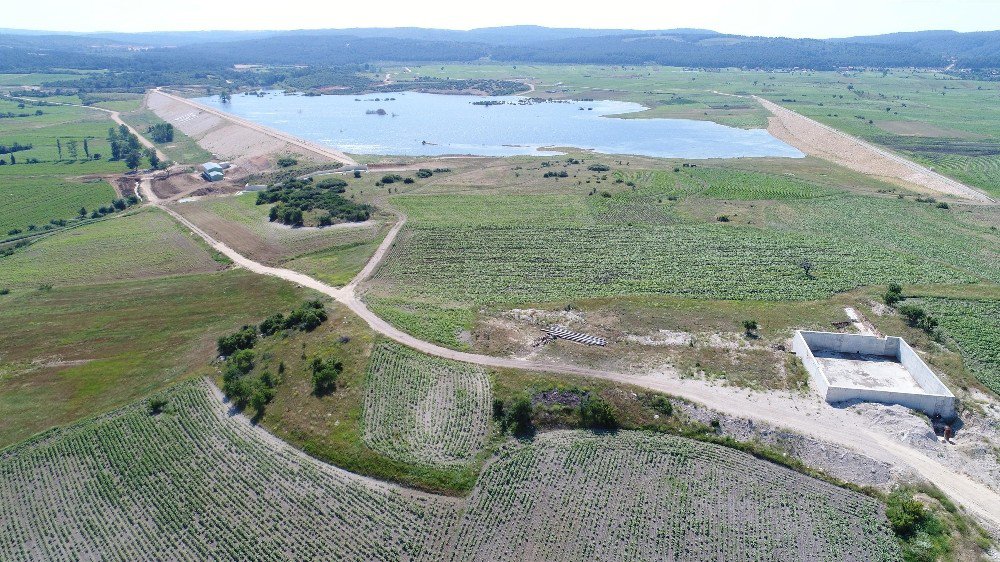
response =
{"points": [[416, 124]]}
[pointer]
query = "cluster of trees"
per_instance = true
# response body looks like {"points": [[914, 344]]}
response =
{"points": [[11, 114], [126, 146], [73, 149], [307, 317], [592, 412], [240, 386], [293, 198], [119, 204], [161, 132], [15, 147]]}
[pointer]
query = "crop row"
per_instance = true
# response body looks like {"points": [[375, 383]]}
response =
{"points": [[194, 484], [424, 409], [705, 261], [637, 496], [975, 326], [143, 245]]}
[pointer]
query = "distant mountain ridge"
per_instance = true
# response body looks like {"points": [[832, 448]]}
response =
{"points": [[190, 51]]}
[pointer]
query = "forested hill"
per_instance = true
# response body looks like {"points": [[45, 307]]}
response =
{"points": [[206, 51]]}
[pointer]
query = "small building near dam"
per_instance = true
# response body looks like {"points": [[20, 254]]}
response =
{"points": [[857, 367], [212, 171]]}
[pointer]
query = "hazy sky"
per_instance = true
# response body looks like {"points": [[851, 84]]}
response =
{"points": [[792, 18]]}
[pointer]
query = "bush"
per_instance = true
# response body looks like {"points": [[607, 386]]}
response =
{"points": [[662, 405], [915, 317], [4, 291], [325, 375], [245, 338], [598, 167], [750, 327], [157, 405], [893, 294], [242, 361], [424, 173], [391, 178], [306, 317], [518, 417], [596, 413], [272, 324], [286, 162], [336, 184], [723, 218], [408, 180]]}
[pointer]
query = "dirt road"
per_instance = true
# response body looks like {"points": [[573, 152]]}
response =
{"points": [[115, 116], [817, 139], [816, 419]]}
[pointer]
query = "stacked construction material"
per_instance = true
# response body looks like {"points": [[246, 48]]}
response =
{"points": [[560, 332]]}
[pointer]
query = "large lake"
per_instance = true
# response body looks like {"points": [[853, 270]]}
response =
{"points": [[417, 124]]}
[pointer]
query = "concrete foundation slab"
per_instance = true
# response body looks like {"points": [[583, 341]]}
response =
{"points": [[847, 367]]}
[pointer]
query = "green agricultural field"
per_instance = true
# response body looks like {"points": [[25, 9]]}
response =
{"points": [[193, 483], [35, 79], [73, 352], [136, 246], [36, 200], [182, 149], [974, 325], [637, 496], [176, 484], [244, 225], [62, 123], [441, 324], [501, 264], [423, 409]]}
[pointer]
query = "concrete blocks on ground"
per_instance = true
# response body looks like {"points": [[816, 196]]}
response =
{"points": [[933, 397]]}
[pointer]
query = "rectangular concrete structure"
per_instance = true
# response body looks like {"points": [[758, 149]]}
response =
{"points": [[846, 367]]}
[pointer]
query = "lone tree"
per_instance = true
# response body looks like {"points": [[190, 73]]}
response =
{"points": [[807, 267], [750, 328], [225, 97]]}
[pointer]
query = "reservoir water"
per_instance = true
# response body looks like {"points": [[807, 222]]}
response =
{"points": [[418, 124]]}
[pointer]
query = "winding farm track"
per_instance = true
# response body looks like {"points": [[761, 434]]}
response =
{"points": [[814, 418], [115, 116], [818, 420]]}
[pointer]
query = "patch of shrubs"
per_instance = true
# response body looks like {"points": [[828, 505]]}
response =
{"points": [[922, 535], [287, 162], [598, 167], [296, 197], [391, 178], [893, 294], [915, 317], [257, 392], [424, 173], [324, 375], [554, 174], [597, 413]]}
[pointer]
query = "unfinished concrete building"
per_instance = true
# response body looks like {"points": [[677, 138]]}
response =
{"points": [[846, 367]]}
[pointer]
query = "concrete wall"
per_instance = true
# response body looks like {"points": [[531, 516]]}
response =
{"points": [[935, 400], [816, 376], [852, 343]]}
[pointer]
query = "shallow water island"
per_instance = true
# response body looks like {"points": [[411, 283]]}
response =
{"points": [[418, 124]]}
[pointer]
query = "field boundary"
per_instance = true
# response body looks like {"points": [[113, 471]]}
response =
{"points": [[861, 156]]}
